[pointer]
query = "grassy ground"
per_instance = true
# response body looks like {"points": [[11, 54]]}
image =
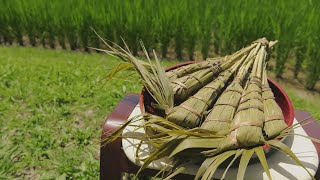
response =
{"points": [[52, 106]]}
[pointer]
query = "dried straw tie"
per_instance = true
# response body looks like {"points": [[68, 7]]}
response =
{"points": [[263, 42], [222, 113], [201, 99], [191, 110], [264, 89], [184, 86], [273, 118]]}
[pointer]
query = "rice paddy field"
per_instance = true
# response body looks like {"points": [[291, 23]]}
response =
{"points": [[180, 29], [52, 107]]}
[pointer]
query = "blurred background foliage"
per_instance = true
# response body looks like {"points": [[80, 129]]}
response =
{"points": [[177, 29]]}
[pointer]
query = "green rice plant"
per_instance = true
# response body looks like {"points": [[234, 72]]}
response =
{"points": [[205, 27], [60, 25], [16, 20], [131, 22], [71, 23], [246, 23], [303, 32], [147, 31], [5, 30], [42, 26], [223, 27], [300, 57], [162, 23], [42, 29], [283, 22], [313, 53], [30, 13], [100, 21], [191, 31], [50, 28], [313, 69], [84, 30], [179, 42], [180, 27]]}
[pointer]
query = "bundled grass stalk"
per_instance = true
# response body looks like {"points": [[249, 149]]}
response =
{"points": [[187, 85], [246, 127], [251, 138], [230, 141], [190, 112], [188, 69], [249, 118], [274, 120], [222, 113]]}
